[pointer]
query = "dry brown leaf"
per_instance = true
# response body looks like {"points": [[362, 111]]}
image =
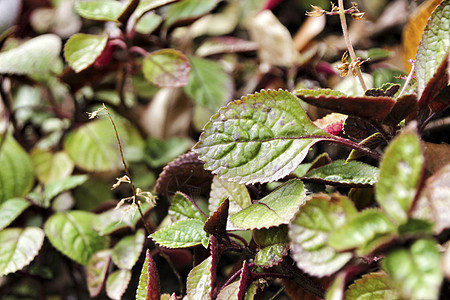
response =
{"points": [[412, 33]]}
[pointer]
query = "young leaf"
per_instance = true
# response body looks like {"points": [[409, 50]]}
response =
{"points": [[182, 234], [127, 251], [59, 186], [433, 48], [81, 50], [11, 209], [182, 209], [93, 146], [275, 209], [199, 281], [188, 10], [433, 204], [36, 56], [416, 272], [16, 172], [19, 248], [149, 285], [50, 166], [342, 173], [366, 231], [309, 232], [96, 269], [260, 138], [371, 108], [217, 221], [99, 10], [208, 84], [71, 233], [117, 283], [377, 285], [166, 68], [400, 173]]}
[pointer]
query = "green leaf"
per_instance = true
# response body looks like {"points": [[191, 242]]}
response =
{"points": [[275, 209], [19, 247], [416, 272], [434, 46], [93, 146], [199, 281], [372, 286], [81, 50], [166, 68], [127, 251], [271, 236], [182, 234], [182, 209], [309, 232], [353, 173], [188, 10], [147, 5], [71, 233], [99, 10], [400, 172], [36, 56], [11, 209], [365, 231], [16, 171], [149, 284], [158, 153], [50, 166], [208, 85], [117, 283], [271, 255], [231, 291], [260, 138], [59, 186], [148, 23], [96, 269]]}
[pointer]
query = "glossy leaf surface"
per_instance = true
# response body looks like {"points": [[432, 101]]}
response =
{"points": [[182, 234], [199, 281], [166, 68], [11, 209], [99, 10], [127, 251], [377, 285], [188, 10], [260, 138], [59, 186], [81, 50], [71, 233], [275, 209], [19, 247], [182, 209]]}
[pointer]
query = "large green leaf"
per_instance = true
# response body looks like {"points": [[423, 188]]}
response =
{"points": [[81, 50], [199, 281], [188, 9], [352, 173], [208, 84], [36, 56], [117, 283], [416, 272], [50, 166], [99, 10], [400, 173], [434, 47], [19, 247], [11, 209], [96, 271], [71, 233], [182, 234], [93, 146], [16, 171], [275, 209], [372, 286], [182, 209], [365, 231], [127, 251], [309, 232], [166, 68], [262, 137]]}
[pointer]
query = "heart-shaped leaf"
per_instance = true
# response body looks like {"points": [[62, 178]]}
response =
{"points": [[260, 138], [199, 281], [81, 50], [275, 209], [71, 233], [182, 234], [19, 247], [309, 232], [166, 68], [127, 251], [370, 108], [96, 269]]}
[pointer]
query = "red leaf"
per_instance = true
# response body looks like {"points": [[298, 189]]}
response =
{"points": [[153, 285]]}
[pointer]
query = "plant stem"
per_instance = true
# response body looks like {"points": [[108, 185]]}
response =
{"points": [[349, 43], [408, 79]]}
